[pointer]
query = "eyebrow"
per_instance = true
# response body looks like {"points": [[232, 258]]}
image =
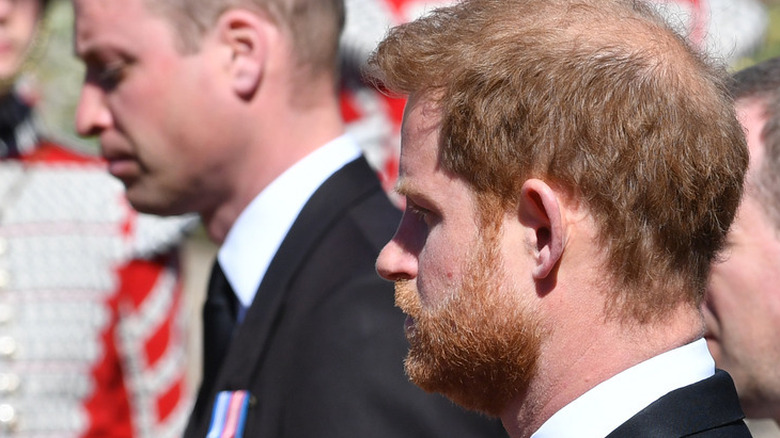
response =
{"points": [[407, 189], [85, 52], [403, 187]]}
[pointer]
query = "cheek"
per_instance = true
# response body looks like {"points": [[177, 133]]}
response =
{"points": [[736, 309], [137, 110], [736, 277], [159, 120], [723, 293], [439, 273], [715, 350]]}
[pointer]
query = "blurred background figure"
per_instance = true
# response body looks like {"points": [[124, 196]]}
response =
{"points": [[91, 324], [726, 29], [743, 306], [373, 118]]}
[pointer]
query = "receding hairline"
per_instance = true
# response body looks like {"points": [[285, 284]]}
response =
{"points": [[629, 30], [642, 35]]}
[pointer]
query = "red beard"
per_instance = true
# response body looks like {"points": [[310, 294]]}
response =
{"points": [[480, 346]]}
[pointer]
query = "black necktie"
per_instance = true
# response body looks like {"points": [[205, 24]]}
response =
{"points": [[219, 319]]}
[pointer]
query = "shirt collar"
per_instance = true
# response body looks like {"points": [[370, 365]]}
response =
{"points": [[254, 238], [613, 402]]}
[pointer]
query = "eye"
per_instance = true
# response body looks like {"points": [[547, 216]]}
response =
{"points": [[112, 75], [422, 214], [107, 76]]}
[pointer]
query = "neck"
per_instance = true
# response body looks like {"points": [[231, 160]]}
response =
{"points": [[282, 136], [574, 361]]}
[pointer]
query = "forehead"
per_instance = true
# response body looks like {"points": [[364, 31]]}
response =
{"points": [[421, 175], [101, 11], [752, 113], [420, 132], [753, 116], [419, 143], [99, 22]]}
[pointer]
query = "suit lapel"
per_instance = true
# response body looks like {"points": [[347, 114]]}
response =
{"points": [[348, 186], [704, 405]]}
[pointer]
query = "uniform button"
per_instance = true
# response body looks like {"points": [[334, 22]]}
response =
{"points": [[7, 346], [5, 279], [6, 314], [8, 418], [9, 383]]}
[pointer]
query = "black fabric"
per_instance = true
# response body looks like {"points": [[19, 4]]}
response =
{"points": [[709, 408], [321, 347], [219, 321], [13, 114]]}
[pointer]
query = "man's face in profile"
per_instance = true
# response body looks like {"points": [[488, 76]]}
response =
{"points": [[742, 309], [472, 337], [146, 101]]}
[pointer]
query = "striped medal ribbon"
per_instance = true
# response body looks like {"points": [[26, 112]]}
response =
{"points": [[229, 415]]}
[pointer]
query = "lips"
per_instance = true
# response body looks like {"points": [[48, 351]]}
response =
{"points": [[6, 46], [409, 326], [122, 169], [121, 165], [408, 301]]}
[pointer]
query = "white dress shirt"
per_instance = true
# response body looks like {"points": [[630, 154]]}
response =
{"points": [[611, 403], [254, 238]]}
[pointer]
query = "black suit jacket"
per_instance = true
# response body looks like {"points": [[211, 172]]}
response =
{"points": [[321, 348], [709, 408]]}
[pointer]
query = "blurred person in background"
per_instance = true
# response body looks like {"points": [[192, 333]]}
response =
{"points": [[742, 309], [92, 335], [729, 30], [372, 117]]}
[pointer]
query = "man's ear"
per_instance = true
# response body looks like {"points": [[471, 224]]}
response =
{"points": [[540, 210], [245, 36]]}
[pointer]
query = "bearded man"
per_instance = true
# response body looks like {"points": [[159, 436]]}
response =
{"points": [[570, 169]]}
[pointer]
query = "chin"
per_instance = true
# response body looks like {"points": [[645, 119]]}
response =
{"points": [[148, 206], [151, 198]]}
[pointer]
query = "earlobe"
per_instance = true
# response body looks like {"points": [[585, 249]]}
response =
{"points": [[540, 210], [244, 35]]}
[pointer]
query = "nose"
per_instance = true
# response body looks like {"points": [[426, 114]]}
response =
{"points": [[92, 114], [394, 263], [398, 260]]}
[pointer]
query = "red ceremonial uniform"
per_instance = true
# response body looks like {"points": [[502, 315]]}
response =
{"points": [[92, 330]]}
